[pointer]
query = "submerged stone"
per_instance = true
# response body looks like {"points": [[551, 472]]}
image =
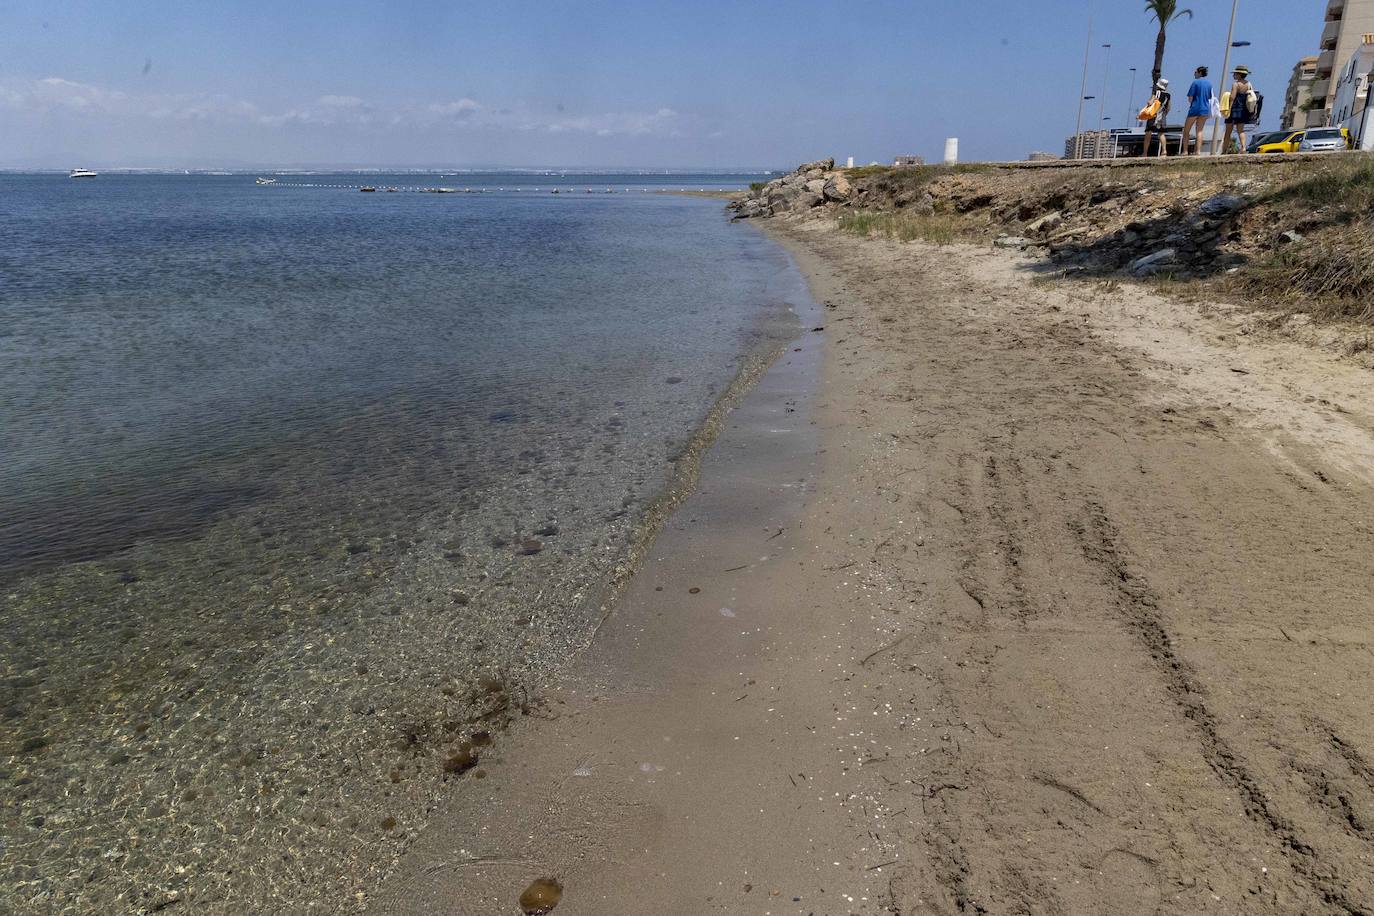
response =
{"points": [[462, 760], [541, 896]]}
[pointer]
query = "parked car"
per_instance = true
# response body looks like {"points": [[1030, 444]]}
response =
{"points": [[1325, 140], [1285, 141], [1259, 141]]}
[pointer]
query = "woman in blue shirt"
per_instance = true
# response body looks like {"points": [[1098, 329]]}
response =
{"points": [[1199, 110]]}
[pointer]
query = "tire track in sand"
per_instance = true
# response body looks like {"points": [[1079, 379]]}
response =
{"points": [[1100, 541]]}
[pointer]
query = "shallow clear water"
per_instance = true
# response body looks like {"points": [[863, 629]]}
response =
{"points": [[296, 482], [160, 336]]}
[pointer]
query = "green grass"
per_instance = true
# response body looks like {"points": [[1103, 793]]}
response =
{"points": [[757, 185], [938, 228], [866, 171]]}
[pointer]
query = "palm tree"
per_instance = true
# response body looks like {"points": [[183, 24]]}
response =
{"points": [[1165, 12]]}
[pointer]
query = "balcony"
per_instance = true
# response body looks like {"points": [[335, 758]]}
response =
{"points": [[1326, 62], [1330, 35], [1335, 9], [1320, 89]]}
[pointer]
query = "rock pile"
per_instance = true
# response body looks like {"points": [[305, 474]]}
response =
{"points": [[1182, 238], [1141, 222], [810, 185]]}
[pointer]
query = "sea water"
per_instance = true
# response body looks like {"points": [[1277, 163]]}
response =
{"points": [[304, 489]]}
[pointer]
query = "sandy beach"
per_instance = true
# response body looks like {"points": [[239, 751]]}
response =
{"points": [[999, 594]]}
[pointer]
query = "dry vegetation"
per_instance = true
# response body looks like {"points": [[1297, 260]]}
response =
{"points": [[939, 228], [1330, 273], [1302, 241], [1331, 276]]}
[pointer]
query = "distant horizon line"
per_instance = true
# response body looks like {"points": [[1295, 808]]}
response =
{"points": [[398, 170]]}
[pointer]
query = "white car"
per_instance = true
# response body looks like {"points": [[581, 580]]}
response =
{"points": [[1323, 140]]}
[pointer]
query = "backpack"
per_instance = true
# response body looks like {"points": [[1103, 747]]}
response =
{"points": [[1254, 107]]}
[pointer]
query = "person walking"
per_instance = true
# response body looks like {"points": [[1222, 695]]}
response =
{"points": [[1201, 97], [1160, 102], [1240, 111]]}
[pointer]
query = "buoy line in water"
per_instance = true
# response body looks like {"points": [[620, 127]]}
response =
{"points": [[415, 189]]}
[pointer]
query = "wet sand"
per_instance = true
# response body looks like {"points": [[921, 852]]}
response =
{"points": [[1001, 595]]}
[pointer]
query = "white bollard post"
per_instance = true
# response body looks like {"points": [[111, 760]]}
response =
{"points": [[850, 163], [952, 151]]}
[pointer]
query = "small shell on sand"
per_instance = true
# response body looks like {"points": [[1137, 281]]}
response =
{"points": [[541, 896]]}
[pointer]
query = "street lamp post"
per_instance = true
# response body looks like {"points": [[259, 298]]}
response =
{"points": [[1102, 102], [1083, 89], [1225, 72], [1130, 100]]}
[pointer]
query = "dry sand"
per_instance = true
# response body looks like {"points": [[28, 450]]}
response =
{"points": [[998, 596]]}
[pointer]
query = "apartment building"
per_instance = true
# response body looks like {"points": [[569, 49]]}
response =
{"points": [[1351, 92], [1091, 144], [1347, 23], [1298, 99]]}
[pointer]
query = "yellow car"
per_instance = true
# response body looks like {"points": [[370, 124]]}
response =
{"points": [[1288, 141], [1285, 141]]}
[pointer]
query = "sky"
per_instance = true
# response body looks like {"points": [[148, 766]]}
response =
{"points": [[749, 84]]}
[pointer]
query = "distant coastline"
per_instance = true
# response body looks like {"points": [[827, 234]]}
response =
{"points": [[374, 170]]}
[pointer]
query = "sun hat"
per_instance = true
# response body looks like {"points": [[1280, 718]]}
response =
{"points": [[1243, 71], [1162, 84]]}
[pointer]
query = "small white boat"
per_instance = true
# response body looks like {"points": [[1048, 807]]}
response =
{"points": [[82, 173], [267, 181]]}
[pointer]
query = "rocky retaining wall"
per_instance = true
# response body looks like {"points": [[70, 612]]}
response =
{"points": [[1181, 219]]}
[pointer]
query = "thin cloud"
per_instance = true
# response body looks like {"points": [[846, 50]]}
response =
{"points": [[664, 122], [351, 102], [461, 108], [57, 94]]}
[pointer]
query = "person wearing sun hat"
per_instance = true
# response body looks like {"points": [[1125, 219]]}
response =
{"points": [[1238, 112], [1156, 124]]}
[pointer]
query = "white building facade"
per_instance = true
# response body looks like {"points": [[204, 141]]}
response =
{"points": [[1347, 23], [1351, 93]]}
